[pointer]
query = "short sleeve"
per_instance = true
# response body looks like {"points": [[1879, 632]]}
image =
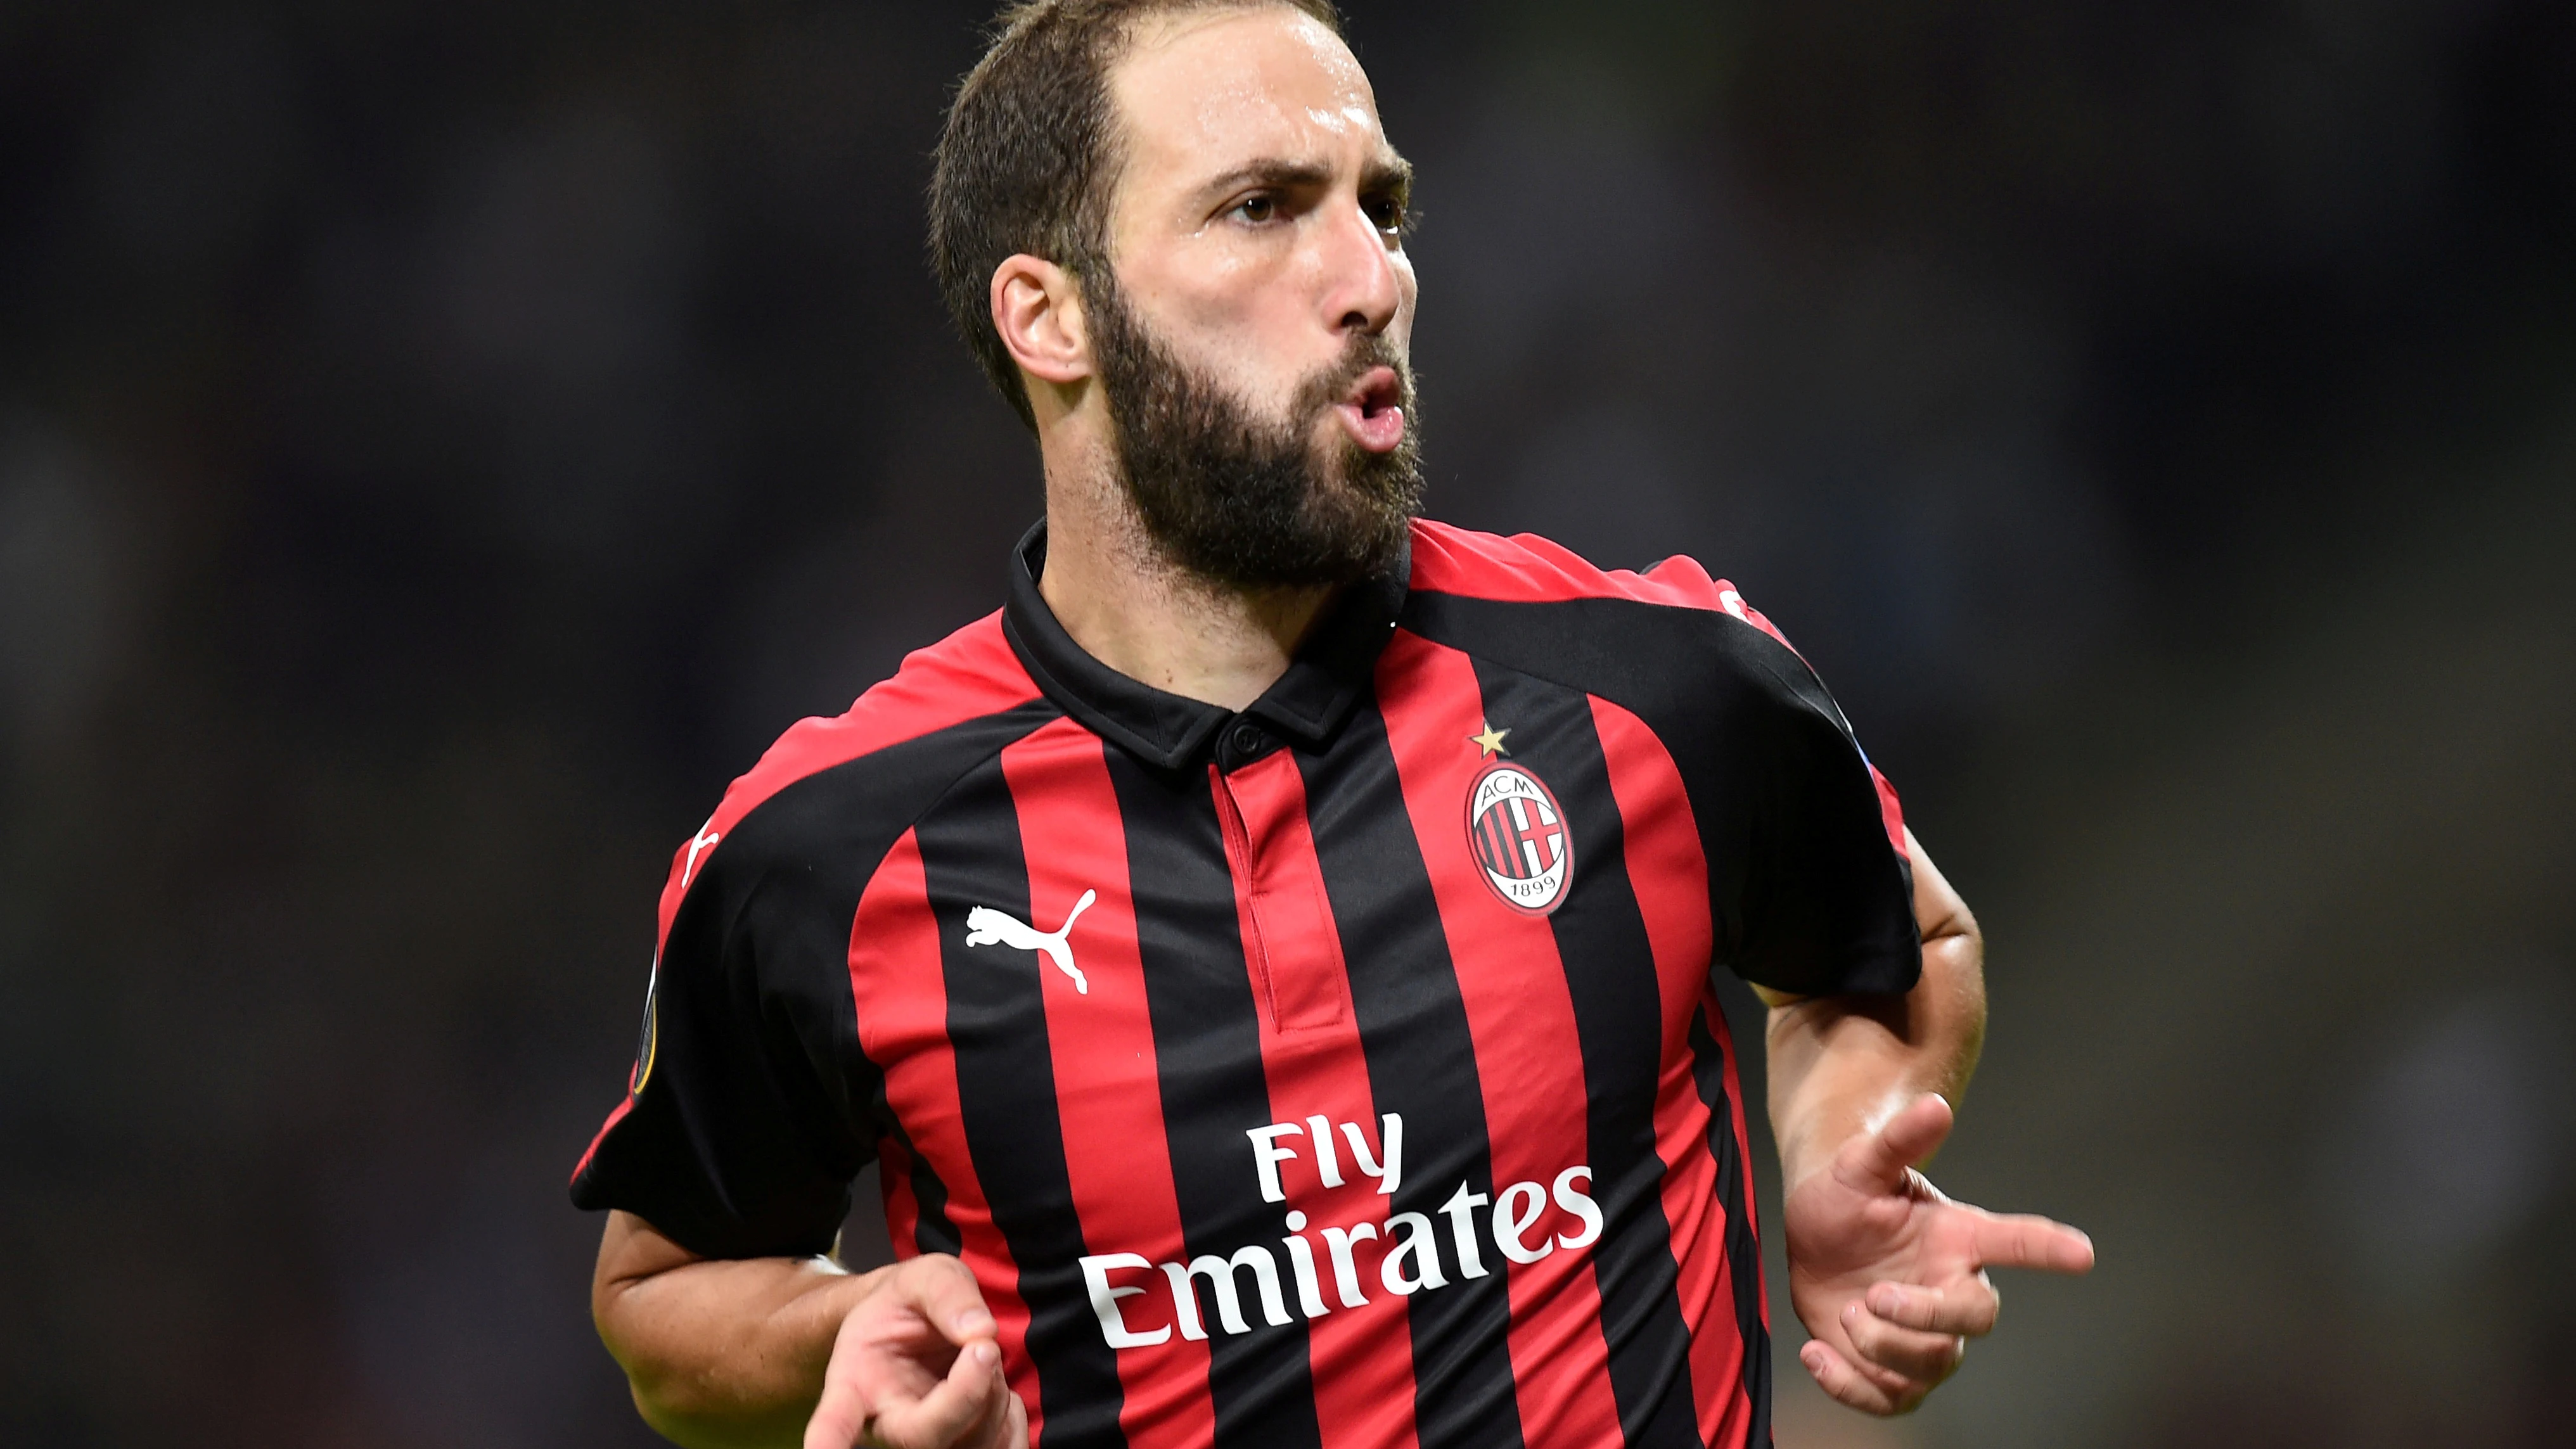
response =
{"points": [[1826, 903], [737, 1137], [1809, 889]]}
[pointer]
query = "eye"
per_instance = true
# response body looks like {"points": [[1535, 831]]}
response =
{"points": [[1259, 208], [1387, 213]]}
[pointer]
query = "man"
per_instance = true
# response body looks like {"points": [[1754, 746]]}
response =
{"points": [[1270, 958]]}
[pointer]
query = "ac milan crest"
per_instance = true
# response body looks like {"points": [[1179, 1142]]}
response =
{"points": [[1520, 838]]}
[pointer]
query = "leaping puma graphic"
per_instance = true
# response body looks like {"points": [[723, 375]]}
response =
{"points": [[988, 927]]}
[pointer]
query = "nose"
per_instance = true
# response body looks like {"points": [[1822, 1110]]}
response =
{"points": [[1364, 289]]}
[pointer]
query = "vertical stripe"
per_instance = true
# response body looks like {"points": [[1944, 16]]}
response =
{"points": [[1101, 1036], [1670, 877], [894, 1180], [1207, 1052], [1423, 1062], [903, 1022], [1610, 973], [1364, 1356], [1498, 843], [933, 1231], [1666, 871], [972, 858], [916, 1200], [1698, 1227], [1713, 1054], [1520, 1018]]}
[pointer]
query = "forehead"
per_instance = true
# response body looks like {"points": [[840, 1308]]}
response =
{"points": [[1206, 91]]}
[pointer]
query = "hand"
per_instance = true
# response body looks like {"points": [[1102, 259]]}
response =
{"points": [[1889, 1275], [916, 1367]]}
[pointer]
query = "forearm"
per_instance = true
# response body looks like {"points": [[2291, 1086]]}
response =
{"points": [[720, 1354], [1840, 1065]]}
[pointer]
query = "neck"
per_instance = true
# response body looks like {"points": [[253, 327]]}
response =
{"points": [[1134, 610]]}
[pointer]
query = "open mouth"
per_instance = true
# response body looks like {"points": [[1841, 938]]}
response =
{"points": [[1373, 410]]}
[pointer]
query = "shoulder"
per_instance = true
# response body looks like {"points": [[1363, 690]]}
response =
{"points": [[1528, 569], [847, 785], [1541, 607], [938, 698]]}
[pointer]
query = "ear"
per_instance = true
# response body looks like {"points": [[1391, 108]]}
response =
{"points": [[1038, 311]]}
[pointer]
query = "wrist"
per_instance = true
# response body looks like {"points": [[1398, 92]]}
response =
{"points": [[827, 1305], [1809, 1154], [1811, 1139]]}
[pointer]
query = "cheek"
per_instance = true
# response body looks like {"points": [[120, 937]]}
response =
{"points": [[1214, 303], [1255, 335]]}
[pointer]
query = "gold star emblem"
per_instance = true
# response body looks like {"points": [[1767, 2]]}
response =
{"points": [[1491, 741]]}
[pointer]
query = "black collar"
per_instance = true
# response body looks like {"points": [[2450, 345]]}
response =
{"points": [[1306, 707]]}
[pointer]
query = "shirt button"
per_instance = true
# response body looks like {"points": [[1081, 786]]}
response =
{"points": [[1246, 740]]}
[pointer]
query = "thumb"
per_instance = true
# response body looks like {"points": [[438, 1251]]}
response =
{"points": [[1877, 1161]]}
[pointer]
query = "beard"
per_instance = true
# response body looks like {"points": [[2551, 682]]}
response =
{"points": [[1241, 500]]}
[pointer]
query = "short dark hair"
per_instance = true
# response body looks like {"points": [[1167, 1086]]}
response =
{"points": [[1027, 159]]}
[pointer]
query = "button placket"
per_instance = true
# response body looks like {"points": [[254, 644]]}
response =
{"points": [[1291, 943]]}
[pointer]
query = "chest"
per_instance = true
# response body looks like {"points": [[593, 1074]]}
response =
{"points": [[1485, 924]]}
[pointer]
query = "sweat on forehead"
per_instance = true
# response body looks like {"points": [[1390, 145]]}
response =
{"points": [[1218, 79]]}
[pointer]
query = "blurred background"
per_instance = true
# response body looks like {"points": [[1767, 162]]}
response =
{"points": [[441, 444]]}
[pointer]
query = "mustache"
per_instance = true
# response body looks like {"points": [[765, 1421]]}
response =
{"points": [[1365, 352]]}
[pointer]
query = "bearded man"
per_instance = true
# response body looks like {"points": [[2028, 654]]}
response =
{"points": [[1271, 957]]}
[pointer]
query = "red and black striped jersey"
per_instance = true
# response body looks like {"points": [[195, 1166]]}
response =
{"points": [[1342, 1073]]}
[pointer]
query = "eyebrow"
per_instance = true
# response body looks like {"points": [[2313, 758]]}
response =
{"points": [[1386, 172]]}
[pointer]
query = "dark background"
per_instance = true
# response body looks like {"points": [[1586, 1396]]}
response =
{"points": [[441, 444]]}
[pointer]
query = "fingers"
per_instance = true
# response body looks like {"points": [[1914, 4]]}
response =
{"points": [[2024, 1241], [942, 1290], [1013, 1430], [915, 1366], [1837, 1377], [1909, 1353], [973, 1405], [840, 1416], [953, 1412], [1966, 1307], [1878, 1161]]}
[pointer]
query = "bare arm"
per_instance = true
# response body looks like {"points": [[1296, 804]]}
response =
{"points": [[761, 1352], [1842, 1065], [1886, 1272]]}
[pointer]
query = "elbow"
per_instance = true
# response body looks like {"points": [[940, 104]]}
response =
{"points": [[617, 1308], [680, 1405], [614, 1308], [641, 1309], [623, 1311], [716, 1355], [1948, 1005], [689, 1431], [680, 1408]]}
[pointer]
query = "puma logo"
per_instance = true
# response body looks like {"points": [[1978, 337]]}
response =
{"points": [[988, 927]]}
